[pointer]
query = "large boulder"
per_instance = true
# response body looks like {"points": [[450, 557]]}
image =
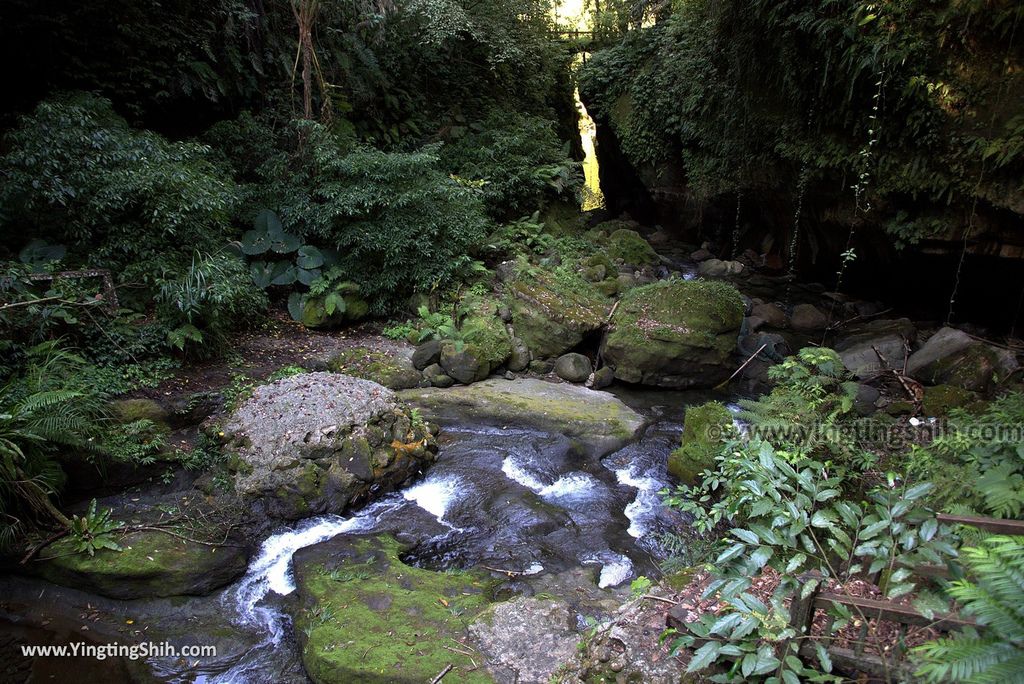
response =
{"points": [[387, 367], [704, 427], [597, 418], [675, 333], [550, 316], [519, 359], [890, 337], [772, 315], [150, 563], [362, 615], [952, 357], [527, 639], [573, 367], [716, 268], [463, 363], [631, 248], [808, 318], [316, 442]]}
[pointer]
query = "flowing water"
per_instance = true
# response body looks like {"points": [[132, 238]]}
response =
{"points": [[509, 498]]}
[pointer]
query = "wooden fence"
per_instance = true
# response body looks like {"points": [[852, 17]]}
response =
{"points": [[893, 666]]}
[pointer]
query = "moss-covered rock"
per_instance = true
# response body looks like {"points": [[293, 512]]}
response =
{"points": [[551, 314], [463, 362], [151, 563], [940, 399], [675, 333], [487, 339], [316, 442], [375, 365], [952, 357], [704, 427], [131, 410], [364, 616], [629, 246], [597, 418]]}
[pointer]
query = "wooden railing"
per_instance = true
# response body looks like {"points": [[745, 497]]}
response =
{"points": [[892, 666]]}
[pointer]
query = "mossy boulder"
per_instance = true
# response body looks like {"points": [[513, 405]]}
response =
{"points": [[952, 357], [376, 365], [150, 564], [363, 615], [596, 418], [463, 362], [131, 410], [704, 427], [939, 400], [553, 314], [629, 246], [675, 333], [486, 337], [315, 442]]}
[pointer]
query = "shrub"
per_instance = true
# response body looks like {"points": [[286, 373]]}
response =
{"points": [[213, 297], [399, 223], [518, 159], [76, 174], [45, 409]]}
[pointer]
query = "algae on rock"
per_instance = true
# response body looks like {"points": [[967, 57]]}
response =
{"points": [[675, 333], [364, 615], [704, 427], [552, 316]]}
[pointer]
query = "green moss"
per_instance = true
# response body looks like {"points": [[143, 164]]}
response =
{"points": [[151, 563], [703, 429], [131, 410], [552, 312], [374, 365], [487, 339], [940, 399], [629, 246], [678, 311], [370, 616]]}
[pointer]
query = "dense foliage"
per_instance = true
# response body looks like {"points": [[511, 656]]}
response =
{"points": [[747, 96], [804, 496]]}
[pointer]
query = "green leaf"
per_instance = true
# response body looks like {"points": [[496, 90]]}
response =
{"points": [[284, 273], [746, 535], [296, 304], [284, 243], [306, 277], [309, 257], [823, 657], [704, 656], [268, 223], [334, 302], [255, 242]]}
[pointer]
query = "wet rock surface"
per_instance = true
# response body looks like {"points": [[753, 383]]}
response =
{"points": [[316, 442], [526, 640], [594, 417]]}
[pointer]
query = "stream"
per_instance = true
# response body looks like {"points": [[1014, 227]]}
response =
{"points": [[500, 497]]}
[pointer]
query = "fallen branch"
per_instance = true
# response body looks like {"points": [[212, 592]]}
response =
{"points": [[899, 376], [745, 364], [660, 598], [441, 674], [510, 573], [43, 544]]}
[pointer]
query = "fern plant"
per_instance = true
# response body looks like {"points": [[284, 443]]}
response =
{"points": [[995, 596], [42, 411]]}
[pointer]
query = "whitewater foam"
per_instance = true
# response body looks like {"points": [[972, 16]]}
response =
{"points": [[568, 485], [434, 494]]}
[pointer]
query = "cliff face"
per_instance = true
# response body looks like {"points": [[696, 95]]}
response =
{"points": [[907, 130]]}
